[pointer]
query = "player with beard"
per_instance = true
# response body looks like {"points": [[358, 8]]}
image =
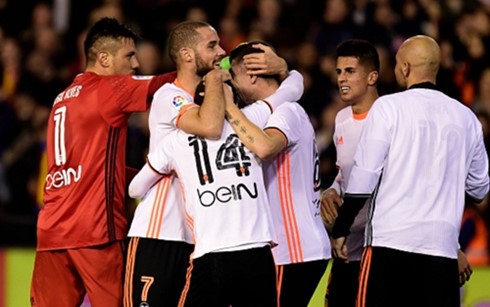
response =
{"points": [[161, 244]]}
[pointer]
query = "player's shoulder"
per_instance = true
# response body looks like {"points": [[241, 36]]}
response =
{"points": [[168, 89], [292, 108], [344, 114], [170, 93], [118, 78], [116, 83], [171, 90], [400, 96]]}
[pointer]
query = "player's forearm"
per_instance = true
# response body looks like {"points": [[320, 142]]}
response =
{"points": [[211, 114], [252, 136], [291, 89], [143, 181], [347, 214]]}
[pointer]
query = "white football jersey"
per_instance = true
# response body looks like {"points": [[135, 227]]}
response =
{"points": [[419, 152], [226, 204], [348, 127], [160, 214], [293, 183]]}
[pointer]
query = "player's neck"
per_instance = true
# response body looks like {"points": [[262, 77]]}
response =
{"points": [[265, 89], [364, 104], [187, 81]]}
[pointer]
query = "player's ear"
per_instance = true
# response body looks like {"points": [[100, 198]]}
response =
{"points": [[373, 78], [186, 54], [103, 57], [253, 79], [406, 69]]}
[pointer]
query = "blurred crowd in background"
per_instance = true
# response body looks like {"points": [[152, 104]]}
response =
{"points": [[41, 52]]}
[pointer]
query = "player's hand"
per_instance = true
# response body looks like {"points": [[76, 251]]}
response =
{"points": [[266, 63], [464, 268], [217, 75], [330, 204], [339, 249]]}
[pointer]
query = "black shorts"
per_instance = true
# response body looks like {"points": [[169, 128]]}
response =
{"points": [[238, 279], [155, 272], [343, 283], [297, 282], [392, 277]]}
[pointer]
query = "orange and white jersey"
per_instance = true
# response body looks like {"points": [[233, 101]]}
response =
{"points": [[420, 151], [226, 203], [348, 127], [293, 183], [169, 103], [160, 214]]}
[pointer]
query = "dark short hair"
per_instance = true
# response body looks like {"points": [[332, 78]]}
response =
{"points": [[201, 88], [106, 28], [242, 49], [183, 35], [363, 50]]}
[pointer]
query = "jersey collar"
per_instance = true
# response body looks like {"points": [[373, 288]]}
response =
{"points": [[427, 85]]}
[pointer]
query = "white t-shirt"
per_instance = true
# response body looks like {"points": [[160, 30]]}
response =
{"points": [[293, 182], [422, 151], [226, 204], [348, 129]]}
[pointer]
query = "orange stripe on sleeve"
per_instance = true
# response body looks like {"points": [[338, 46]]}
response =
{"points": [[182, 111]]}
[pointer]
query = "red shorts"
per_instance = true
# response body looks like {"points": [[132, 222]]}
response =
{"points": [[62, 277]]}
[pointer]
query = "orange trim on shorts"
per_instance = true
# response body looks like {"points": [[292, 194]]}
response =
{"points": [[158, 209], [279, 277], [283, 166], [364, 276], [188, 276], [128, 284]]}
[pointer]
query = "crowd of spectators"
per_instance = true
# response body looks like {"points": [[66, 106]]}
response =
{"points": [[41, 52]]}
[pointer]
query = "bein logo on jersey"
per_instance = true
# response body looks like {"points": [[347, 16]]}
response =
{"points": [[63, 177], [207, 198]]}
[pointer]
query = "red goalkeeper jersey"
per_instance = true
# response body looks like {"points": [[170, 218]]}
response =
{"points": [[85, 185]]}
